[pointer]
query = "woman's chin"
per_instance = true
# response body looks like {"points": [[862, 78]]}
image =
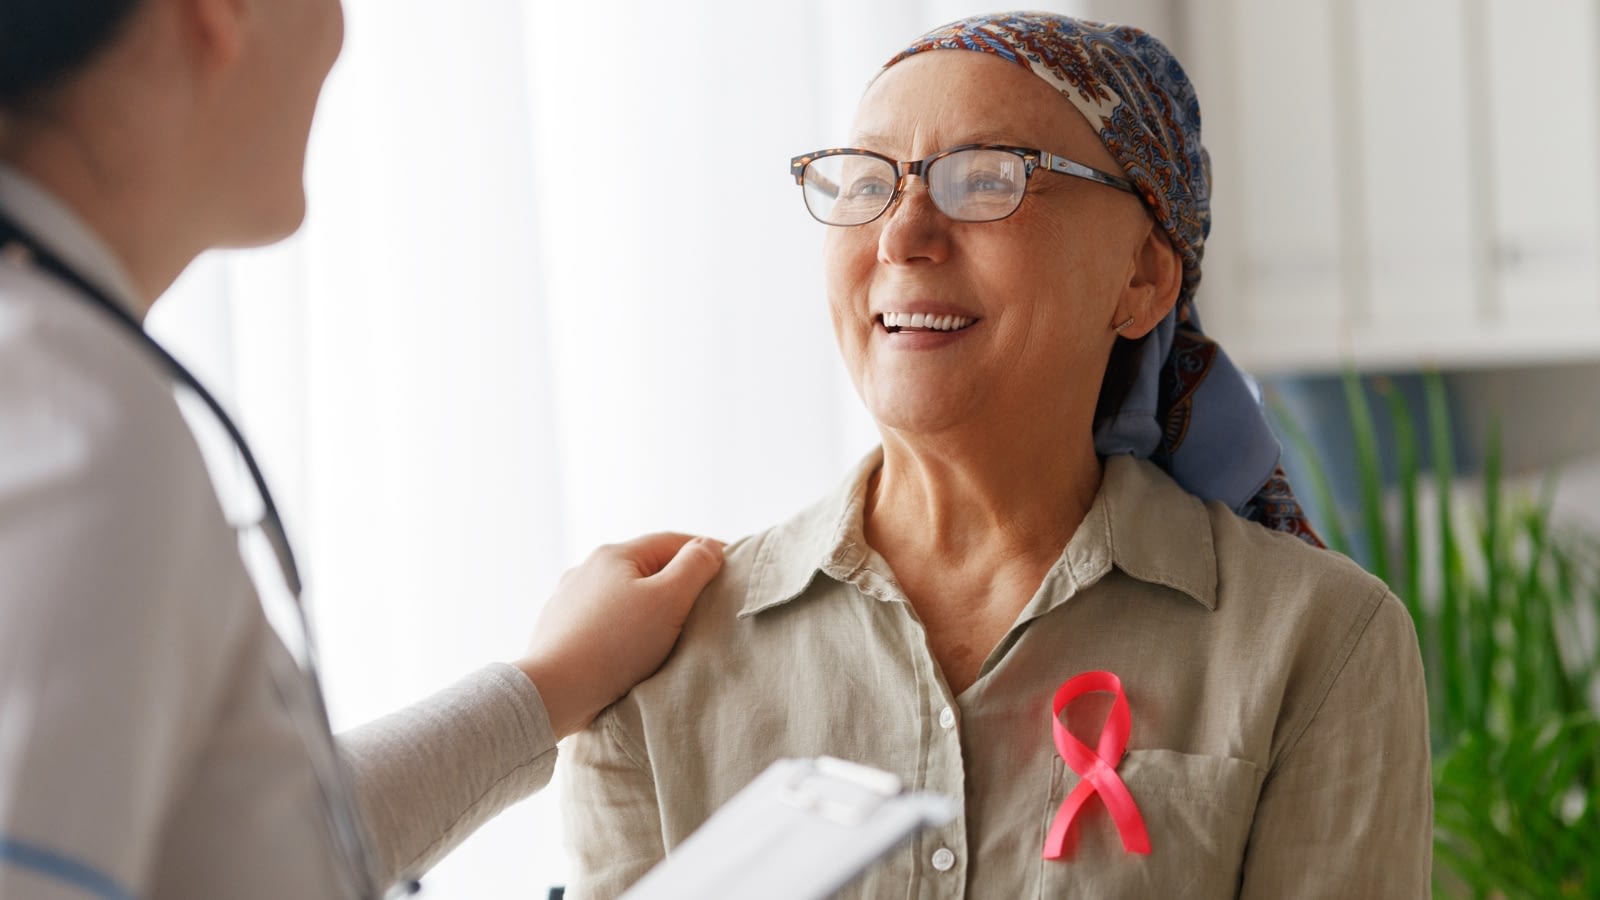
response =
{"points": [[268, 221], [908, 417]]}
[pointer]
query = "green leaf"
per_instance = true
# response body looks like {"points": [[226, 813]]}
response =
{"points": [[1408, 478], [1450, 637], [1332, 526], [1364, 432]]}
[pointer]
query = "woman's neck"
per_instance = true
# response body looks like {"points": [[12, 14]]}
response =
{"points": [[990, 498], [971, 529]]}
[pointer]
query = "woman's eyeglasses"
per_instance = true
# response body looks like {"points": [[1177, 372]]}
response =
{"points": [[969, 183]]}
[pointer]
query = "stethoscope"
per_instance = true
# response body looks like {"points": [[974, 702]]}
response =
{"points": [[18, 245]]}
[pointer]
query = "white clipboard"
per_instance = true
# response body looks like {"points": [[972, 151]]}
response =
{"points": [[802, 830]]}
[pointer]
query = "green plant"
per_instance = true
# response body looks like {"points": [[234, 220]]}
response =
{"points": [[1505, 605]]}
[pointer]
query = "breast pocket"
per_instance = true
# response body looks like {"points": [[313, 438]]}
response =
{"points": [[1197, 811]]}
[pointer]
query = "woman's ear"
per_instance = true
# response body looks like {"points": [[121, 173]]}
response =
{"points": [[216, 31], [1155, 276]]}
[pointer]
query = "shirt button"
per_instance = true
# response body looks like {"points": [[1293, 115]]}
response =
{"points": [[943, 859], [947, 718]]}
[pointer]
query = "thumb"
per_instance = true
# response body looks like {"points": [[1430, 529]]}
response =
{"points": [[687, 574]]}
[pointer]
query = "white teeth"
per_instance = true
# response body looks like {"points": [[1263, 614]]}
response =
{"points": [[895, 320]]}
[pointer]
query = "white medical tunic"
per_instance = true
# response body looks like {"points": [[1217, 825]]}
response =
{"points": [[146, 749]]}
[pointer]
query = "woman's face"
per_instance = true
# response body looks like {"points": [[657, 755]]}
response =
{"points": [[1036, 296]]}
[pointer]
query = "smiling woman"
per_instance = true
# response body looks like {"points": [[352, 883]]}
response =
{"points": [[1076, 493]]}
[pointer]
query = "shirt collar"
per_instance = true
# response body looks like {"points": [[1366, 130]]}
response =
{"points": [[1138, 516], [1156, 531], [66, 235], [827, 538]]}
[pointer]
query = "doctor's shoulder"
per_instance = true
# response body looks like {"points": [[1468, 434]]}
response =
{"points": [[76, 388], [101, 482]]}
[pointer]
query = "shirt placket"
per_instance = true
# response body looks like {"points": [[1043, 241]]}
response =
{"points": [[940, 863], [942, 858]]}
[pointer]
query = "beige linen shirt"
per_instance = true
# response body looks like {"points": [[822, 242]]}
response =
{"points": [[1279, 743]]}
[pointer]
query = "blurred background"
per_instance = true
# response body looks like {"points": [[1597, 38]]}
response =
{"points": [[556, 288]]}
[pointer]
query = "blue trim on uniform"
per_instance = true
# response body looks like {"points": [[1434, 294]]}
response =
{"points": [[54, 865]]}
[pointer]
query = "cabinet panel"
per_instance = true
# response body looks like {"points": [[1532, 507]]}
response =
{"points": [[1542, 93], [1412, 128], [1283, 177], [1401, 182]]}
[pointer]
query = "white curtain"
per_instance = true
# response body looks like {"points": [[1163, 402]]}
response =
{"points": [[556, 288]]}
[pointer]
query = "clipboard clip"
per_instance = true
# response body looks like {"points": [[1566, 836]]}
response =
{"points": [[802, 830], [844, 793]]}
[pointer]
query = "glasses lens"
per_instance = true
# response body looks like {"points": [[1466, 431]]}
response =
{"points": [[978, 185], [848, 189]]}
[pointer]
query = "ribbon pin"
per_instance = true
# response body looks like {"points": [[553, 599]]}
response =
{"points": [[1097, 768]]}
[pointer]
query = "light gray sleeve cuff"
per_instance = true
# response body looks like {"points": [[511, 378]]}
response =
{"points": [[427, 776]]}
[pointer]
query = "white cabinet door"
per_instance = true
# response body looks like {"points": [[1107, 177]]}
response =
{"points": [[1400, 182]]}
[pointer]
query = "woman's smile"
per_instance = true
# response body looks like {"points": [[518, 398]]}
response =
{"points": [[904, 322]]}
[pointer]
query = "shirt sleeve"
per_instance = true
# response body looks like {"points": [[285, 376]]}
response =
{"points": [[611, 808], [429, 775], [1348, 809]]}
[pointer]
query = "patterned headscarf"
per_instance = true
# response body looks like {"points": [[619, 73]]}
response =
{"points": [[1190, 409]]}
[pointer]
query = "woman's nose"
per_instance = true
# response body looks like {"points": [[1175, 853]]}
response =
{"points": [[913, 228]]}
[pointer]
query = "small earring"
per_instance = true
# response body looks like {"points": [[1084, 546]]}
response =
{"points": [[1124, 324]]}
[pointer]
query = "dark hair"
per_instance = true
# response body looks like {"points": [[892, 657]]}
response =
{"points": [[43, 41]]}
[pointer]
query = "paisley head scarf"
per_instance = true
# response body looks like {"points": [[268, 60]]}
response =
{"points": [[1189, 409]]}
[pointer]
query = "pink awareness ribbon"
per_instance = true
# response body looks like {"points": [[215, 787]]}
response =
{"points": [[1097, 768]]}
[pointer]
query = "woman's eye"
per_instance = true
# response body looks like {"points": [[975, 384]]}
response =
{"points": [[989, 183], [869, 187]]}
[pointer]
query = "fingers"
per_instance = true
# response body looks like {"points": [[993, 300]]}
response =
{"points": [[695, 564], [651, 554]]}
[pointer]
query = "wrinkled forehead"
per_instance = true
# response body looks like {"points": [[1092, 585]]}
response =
{"points": [[938, 100]]}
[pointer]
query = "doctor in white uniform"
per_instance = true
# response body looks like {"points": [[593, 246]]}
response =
{"points": [[157, 738]]}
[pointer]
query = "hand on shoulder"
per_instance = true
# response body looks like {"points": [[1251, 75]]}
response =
{"points": [[613, 620]]}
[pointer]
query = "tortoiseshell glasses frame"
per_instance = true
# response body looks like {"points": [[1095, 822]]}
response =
{"points": [[968, 183]]}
